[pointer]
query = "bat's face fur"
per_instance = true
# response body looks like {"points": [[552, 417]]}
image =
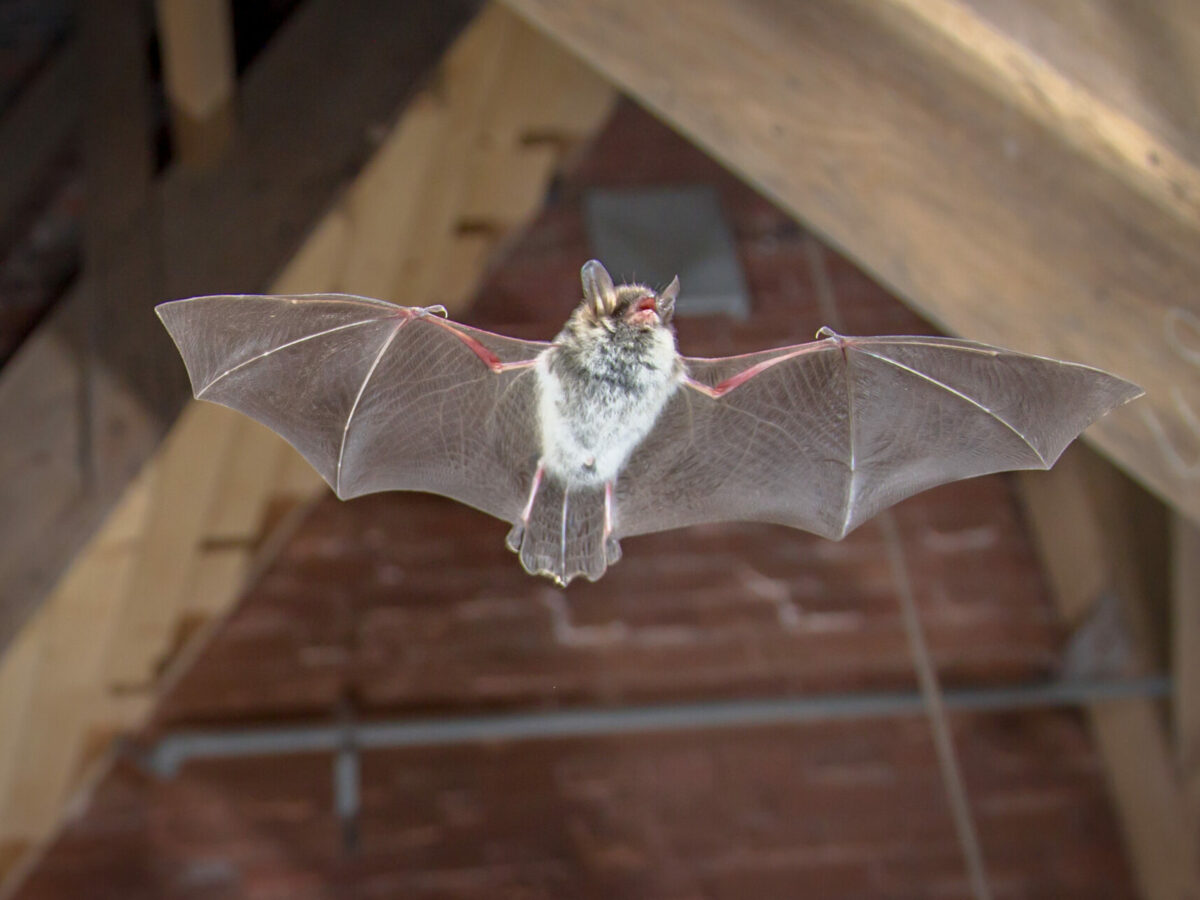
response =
{"points": [[607, 377]]}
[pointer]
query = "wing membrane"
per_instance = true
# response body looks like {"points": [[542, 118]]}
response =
{"points": [[375, 396], [825, 435]]}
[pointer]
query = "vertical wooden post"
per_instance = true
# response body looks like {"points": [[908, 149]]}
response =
{"points": [[196, 37], [1090, 529]]}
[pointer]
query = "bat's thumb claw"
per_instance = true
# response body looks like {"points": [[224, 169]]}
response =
{"points": [[437, 310], [826, 332]]}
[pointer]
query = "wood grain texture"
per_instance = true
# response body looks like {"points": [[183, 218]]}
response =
{"points": [[1075, 68], [123, 255], [213, 503], [1140, 60], [983, 216], [35, 130], [231, 227]]}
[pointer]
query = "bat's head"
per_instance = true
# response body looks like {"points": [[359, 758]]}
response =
{"points": [[622, 307]]}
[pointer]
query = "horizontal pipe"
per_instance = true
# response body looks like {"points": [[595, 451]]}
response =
{"points": [[173, 750]]}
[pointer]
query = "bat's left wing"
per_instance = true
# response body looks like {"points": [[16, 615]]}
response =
{"points": [[823, 436], [375, 396]]}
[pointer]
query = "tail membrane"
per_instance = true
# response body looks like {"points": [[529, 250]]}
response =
{"points": [[564, 536]]}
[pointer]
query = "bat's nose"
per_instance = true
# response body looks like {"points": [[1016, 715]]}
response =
{"points": [[644, 317]]}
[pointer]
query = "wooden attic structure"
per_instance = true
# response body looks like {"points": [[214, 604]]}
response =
{"points": [[1024, 173]]}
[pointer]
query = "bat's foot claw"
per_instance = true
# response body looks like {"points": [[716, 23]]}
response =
{"points": [[612, 549]]}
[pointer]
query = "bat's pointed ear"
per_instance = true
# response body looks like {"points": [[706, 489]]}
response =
{"points": [[598, 288], [666, 300]]}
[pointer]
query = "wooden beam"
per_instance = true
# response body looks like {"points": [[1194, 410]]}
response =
{"points": [[228, 228], [122, 252], [140, 599], [49, 675], [118, 154], [918, 155], [196, 38], [1072, 67], [1141, 61], [1084, 533], [34, 131]]}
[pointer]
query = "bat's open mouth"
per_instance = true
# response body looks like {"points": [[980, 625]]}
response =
{"points": [[645, 311]]}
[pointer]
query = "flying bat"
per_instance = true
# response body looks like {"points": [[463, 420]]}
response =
{"points": [[608, 432]]}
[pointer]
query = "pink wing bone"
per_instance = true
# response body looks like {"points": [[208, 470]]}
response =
{"points": [[492, 361], [739, 378]]}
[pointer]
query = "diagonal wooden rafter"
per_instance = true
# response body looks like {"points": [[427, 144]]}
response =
{"points": [[88, 395], [1009, 194], [138, 600], [34, 131]]}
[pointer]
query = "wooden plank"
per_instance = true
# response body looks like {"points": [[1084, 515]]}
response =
{"points": [[1141, 773], [117, 159], [186, 474], [56, 665], [122, 255], [196, 38], [979, 214], [227, 228], [68, 667], [1185, 653], [538, 110], [374, 237], [1083, 534], [471, 79], [1103, 536], [18, 671], [1141, 60], [1036, 57]]}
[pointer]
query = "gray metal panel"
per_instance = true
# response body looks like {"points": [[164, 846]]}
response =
{"points": [[649, 236]]}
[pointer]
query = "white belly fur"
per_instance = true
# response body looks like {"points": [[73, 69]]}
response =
{"points": [[587, 445]]}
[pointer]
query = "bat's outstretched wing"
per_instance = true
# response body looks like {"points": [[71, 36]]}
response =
{"points": [[823, 436], [377, 397]]}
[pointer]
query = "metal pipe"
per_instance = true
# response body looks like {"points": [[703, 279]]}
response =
{"points": [[173, 750]]}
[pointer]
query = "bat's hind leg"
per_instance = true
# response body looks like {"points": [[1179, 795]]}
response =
{"points": [[612, 547], [564, 532], [516, 534]]}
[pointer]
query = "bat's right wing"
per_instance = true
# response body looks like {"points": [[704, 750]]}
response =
{"points": [[823, 436], [376, 397]]}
